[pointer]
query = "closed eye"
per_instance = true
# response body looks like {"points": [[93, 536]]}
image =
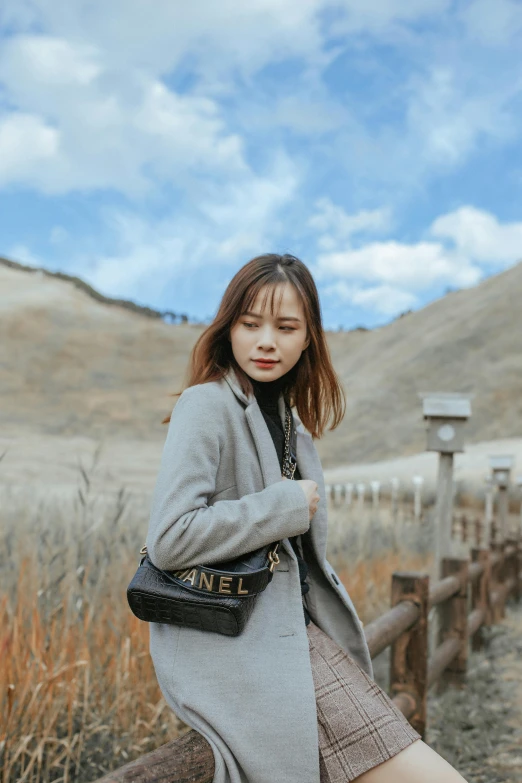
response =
{"points": [[288, 328]]}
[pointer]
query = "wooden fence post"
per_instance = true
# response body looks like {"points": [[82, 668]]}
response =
{"points": [[513, 569], [375, 487], [488, 535], [480, 598], [455, 527], [409, 653], [394, 481], [478, 532], [519, 523], [453, 622], [444, 507], [446, 415], [465, 528], [518, 567], [418, 481], [501, 465], [503, 504], [361, 487], [497, 579]]}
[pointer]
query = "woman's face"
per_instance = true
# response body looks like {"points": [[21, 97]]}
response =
{"points": [[260, 335]]}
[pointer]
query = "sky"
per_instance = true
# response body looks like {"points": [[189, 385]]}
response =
{"points": [[152, 147]]}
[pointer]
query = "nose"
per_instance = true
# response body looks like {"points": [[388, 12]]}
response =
{"points": [[266, 337]]}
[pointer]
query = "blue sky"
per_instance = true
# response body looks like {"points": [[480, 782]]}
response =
{"points": [[152, 147]]}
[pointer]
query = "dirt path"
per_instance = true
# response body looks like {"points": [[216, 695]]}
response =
{"points": [[479, 729]]}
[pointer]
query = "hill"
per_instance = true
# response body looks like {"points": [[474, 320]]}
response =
{"points": [[77, 364], [468, 341]]}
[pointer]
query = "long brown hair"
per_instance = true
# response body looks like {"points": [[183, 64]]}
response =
{"points": [[313, 385]]}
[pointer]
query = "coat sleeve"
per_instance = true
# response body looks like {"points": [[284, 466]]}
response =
{"points": [[183, 529]]}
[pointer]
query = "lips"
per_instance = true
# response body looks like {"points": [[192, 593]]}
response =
{"points": [[265, 361]]}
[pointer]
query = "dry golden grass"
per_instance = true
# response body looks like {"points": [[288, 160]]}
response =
{"points": [[369, 582], [78, 692], [366, 546]]}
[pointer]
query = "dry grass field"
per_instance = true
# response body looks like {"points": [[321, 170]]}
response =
{"points": [[78, 690]]}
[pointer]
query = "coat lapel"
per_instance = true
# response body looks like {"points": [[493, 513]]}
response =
{"points": [[308, 460], [266, 450]]}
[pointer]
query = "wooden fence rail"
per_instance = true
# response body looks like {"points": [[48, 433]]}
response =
{"points": [[472, 594]]}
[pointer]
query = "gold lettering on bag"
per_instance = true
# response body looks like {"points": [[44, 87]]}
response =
{"points": [[190, 577], [239, 590], [208, 582], [224, 582]]}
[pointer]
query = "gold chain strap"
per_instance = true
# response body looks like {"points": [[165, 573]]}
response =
{"points": [[288, 472], [288, 466]]}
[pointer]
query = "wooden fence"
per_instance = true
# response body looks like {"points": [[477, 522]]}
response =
{"points": [[471, 594]]}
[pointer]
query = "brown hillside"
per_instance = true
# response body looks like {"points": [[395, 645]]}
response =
{"points": [[468, 341], [73, 364]]}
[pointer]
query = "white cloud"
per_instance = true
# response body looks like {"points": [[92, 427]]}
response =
{"points": [[389, 266], [36, 60], [448, 118], [307, 113], [26, 143], [58, 235], [24, 255], [248, 213], [376, 15], [384, 277], [449, 101], [109, 129], [382, 299], [416, 267], [99, 76], [336, 225], [388, 276], [479, 235], [219, 37], [150, 254], [493, 22]]}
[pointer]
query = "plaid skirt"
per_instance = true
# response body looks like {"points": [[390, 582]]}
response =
{"points": [[359, 725]]}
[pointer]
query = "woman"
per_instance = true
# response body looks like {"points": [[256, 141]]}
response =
{"points": [[292, 698]]}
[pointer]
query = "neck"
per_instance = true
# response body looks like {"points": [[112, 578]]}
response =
{"points": [[270, 390]]}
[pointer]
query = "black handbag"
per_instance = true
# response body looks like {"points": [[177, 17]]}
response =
{"points": [[210, 598]]}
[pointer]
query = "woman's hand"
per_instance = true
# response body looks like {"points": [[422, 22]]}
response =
{"points": [[309, 487]]}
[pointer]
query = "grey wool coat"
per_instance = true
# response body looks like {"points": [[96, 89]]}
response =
{"points": [[219, 494]]}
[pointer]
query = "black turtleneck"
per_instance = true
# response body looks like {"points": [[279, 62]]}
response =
{"points": [[267, 395]]}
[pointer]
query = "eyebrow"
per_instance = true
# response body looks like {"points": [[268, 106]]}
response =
{"points": [[280, 318]]}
